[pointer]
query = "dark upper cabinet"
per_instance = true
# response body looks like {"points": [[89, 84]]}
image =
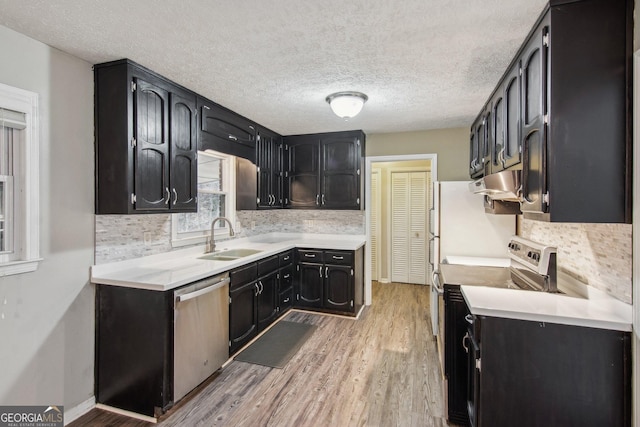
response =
{"points": [[565, 103], [510, 151], [479, 145], [325, 170], [145, 142], [184, 148], [340, 174], [304, 171], [151, 136], [269, 161], [534, 108], [225, 131]]}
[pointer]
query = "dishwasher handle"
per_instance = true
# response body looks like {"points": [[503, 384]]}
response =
{"points": [[196, 294]]}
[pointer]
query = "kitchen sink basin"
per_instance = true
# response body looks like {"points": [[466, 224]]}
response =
{"points": [[229, 255]]}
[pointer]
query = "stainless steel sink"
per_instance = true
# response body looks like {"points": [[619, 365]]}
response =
{"points": [[229, 255]]}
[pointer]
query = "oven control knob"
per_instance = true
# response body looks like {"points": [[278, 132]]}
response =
{"points": [[530, 254], [536, 257]]}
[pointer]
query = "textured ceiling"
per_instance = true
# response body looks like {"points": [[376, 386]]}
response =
{"points": [[424, 64]]}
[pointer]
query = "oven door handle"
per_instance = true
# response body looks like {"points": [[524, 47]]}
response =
{"points": [[436, 283], [465, 339]]}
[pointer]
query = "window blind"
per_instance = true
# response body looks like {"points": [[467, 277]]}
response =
{"points": [[12, 119]]}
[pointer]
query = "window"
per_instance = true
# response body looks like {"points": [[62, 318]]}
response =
{"points": [[216, 178], [19, 192]]}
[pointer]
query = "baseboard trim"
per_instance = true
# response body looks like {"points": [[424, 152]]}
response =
{"points": [[70, 415], [127, 413]]}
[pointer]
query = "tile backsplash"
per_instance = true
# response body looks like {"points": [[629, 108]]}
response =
{"points": [[597, 254], [120, 237]]}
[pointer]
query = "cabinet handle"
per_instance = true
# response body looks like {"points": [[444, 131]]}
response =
{"points": [[168, 195], [175, 196], [257, 291], [465, 338], [469, 319], [286, 258], [261, 287], [323, 199], [286, 301], [320, 269], [310, 255], [326, 272], [233, 137], [338, 257], [317, 199]]}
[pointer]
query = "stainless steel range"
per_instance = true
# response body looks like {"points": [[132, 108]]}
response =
{"points": [[533, 265]]}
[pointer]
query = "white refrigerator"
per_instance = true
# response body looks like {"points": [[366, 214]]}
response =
{"points": [[460, 227]]}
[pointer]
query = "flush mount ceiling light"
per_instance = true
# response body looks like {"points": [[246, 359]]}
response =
{"points": [[347, 104]]}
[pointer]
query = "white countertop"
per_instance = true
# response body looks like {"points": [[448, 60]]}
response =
{"points": [[177, 268], [584, 306]]}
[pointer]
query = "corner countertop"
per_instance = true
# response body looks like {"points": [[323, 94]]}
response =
{"points": [[170, 270], [581, 305]]}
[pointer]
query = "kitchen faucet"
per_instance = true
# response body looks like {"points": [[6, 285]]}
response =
{"points": [[211, 244]]}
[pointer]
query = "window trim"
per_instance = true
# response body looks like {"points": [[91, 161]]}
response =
{"points": [[26, 102], [230, 172]]}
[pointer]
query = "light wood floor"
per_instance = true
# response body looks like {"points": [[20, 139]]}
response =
{"points": [[381, 370]]}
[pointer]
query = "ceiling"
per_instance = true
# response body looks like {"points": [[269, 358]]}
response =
{"points": [[425, 64]]}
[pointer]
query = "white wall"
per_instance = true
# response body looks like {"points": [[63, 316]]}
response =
{"points": [[47, 330]]}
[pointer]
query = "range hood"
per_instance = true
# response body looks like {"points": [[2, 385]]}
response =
{"points": [[503, 185]]}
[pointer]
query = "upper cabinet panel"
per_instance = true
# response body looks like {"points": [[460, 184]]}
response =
{"points": [[561, 115], [145, 142], [225, 131]]}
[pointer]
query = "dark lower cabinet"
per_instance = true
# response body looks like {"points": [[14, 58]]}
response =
{"points": [[134, 349], [310, 285], [332, 282], [455, 355], [537, 374], [243, 315], [256, 297]]}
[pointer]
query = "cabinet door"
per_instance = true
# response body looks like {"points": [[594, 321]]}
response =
{"points": [[455, 356], [184, 148], [304, 175], [277, 172], [243, 316], [477, 147], [496, 143], [310, 281], [151, 164], [534, 108], [338, 288], [264, 154], [512, 147], [224, 131], [340, 187], [267, 300]]}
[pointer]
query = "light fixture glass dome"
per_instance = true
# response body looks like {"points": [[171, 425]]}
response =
{"points": [[347, 104]]}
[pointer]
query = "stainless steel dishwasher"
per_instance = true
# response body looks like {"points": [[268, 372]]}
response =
{"points": [[201, 332]]}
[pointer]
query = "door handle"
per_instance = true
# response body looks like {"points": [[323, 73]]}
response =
{"points": [[175, 196], [320, 268], [233, 137], [168, 195], [317, 199], [310, 255], [326, 272], [257, 291], [323, 201]]}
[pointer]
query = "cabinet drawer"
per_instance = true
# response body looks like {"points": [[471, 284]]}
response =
{"points": [[308, 255], [338, 257], [242, 275], [286, 258], [286, 277], [286, 299], [267, 265]]}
